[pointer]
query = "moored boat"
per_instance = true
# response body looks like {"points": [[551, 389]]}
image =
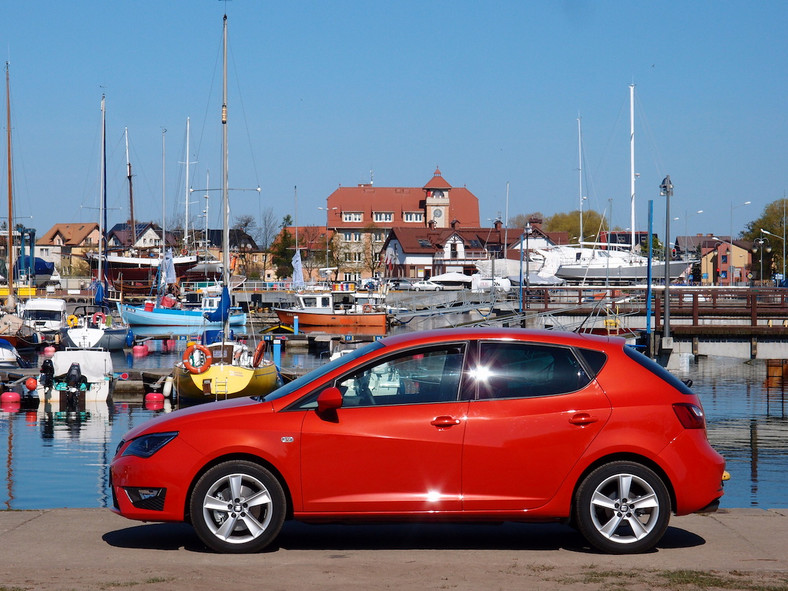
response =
{"points": [[336, 308]]}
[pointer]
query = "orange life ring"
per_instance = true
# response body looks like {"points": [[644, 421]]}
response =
{"points": [[366, 308], [207, 358], [99, 318], [258, 354]]}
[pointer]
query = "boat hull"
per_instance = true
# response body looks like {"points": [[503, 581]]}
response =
{"points": [[350, 319], [620, 273], [109, 339], [226, 381], [139, 316]]}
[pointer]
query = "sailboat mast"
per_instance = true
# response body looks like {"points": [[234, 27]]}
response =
{"points": [[103, 196], [580, 176], [10, 302], [225, 180], [131, 193], [632, 163], [186, 221]]}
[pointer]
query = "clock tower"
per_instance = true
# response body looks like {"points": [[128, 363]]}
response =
{"points": [[437, 200]]}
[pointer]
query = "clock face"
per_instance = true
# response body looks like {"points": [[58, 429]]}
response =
{"points": [[438, 194], [437, 213]]}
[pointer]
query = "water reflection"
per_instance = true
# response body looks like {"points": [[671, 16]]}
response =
{"points": [[60, 459]]}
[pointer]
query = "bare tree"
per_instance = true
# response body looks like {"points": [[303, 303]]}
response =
{"points": [[268, 229]]}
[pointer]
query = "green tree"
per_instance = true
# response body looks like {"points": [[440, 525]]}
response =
{"points": [[772, 220], [593, 224], [283, 250]]}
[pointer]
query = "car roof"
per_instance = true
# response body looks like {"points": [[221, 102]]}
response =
{"points": [[557, 337]]}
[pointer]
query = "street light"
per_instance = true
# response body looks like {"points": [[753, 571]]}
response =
{"points": [[759, 246], [687, 215], [666, 190], [526, 234], [781, 238], [736, 207]]}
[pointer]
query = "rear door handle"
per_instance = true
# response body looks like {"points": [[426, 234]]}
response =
{"points": [[444, 421], [582, 418]]}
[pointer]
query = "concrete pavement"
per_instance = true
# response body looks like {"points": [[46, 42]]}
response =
{"points": [[91, 549]]}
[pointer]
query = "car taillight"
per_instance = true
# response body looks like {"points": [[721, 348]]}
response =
{"points": [[690, 415]]}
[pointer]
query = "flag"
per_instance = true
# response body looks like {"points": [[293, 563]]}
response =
{"points": [[298, 273], [169, 268]]}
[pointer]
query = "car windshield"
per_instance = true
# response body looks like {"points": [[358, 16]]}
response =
{"points": [[321, 371]]}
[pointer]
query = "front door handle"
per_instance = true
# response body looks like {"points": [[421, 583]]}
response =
{"points": [[582, 418], [444, 421]]}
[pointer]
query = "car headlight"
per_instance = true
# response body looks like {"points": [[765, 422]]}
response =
{"points": [[147, 445]]}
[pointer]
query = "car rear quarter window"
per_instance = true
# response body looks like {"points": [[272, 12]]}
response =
{"points": [[521, 370], [595, 360], [657, 370]]}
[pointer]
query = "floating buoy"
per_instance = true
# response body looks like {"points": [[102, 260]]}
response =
{"points": [[123, 376], [139, 351], [31, 384], [10, 397], [49, 351], [154, 397]]}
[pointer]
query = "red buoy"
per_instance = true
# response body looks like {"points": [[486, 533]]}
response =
{"points": [[11, 397], [154, 397], [31, 384], [49, 351]]}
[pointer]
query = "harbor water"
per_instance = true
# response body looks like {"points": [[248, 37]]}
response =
{"points": [[54, 460]]}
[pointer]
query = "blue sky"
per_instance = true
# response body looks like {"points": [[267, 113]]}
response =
{"points": [[322, 93]]}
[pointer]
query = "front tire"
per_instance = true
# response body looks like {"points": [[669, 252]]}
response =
{"points": [[237, 507], [622, 508]]}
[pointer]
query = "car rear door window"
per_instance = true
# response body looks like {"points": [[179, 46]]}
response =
{"points": [[520, 370]]}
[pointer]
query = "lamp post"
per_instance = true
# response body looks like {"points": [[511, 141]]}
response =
{"points": [[526, 234], [781, 238], [686, 217], [666, 190], [761, 244]]}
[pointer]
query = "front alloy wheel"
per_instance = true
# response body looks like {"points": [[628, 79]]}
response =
{"points": [[622, 508], [237, 507]]}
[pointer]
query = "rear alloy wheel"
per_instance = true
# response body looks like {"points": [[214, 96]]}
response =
{"points": [[237, 507], [622, 508]]}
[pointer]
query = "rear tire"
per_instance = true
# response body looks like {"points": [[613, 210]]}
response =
{"points": [[237, 507], [622, 508]]}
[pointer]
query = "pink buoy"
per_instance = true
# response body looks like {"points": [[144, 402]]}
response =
{"points": [[139, 351], [49, 351], [10, 397], [154, 397]]}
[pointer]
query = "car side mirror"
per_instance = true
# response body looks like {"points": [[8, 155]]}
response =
{"points": [[328, 400]]}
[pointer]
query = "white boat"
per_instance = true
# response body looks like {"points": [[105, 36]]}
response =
{"points": [[76, 375], [581, 263], [93, 327]]}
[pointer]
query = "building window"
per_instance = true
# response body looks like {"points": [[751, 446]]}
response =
{"points": [[357, 257], [349, 236], [414, 216], [724, 259], [352, 216], [378, 236], [356, 236], [383, 216]]}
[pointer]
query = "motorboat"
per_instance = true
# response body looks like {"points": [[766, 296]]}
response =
{"points": [[76, 375], [93, 327], [340, 307], [45, 315]]}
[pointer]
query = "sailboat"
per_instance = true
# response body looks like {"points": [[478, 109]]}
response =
{"points": [[598, 262], [224, 369], [92, 326]]}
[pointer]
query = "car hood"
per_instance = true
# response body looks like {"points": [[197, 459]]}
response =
{"points": [[210, 411]]}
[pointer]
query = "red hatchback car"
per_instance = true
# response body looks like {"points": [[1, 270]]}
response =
{"points": [[448, 425]]}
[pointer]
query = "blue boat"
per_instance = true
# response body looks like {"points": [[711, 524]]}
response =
{"points": [[164, 313]]}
